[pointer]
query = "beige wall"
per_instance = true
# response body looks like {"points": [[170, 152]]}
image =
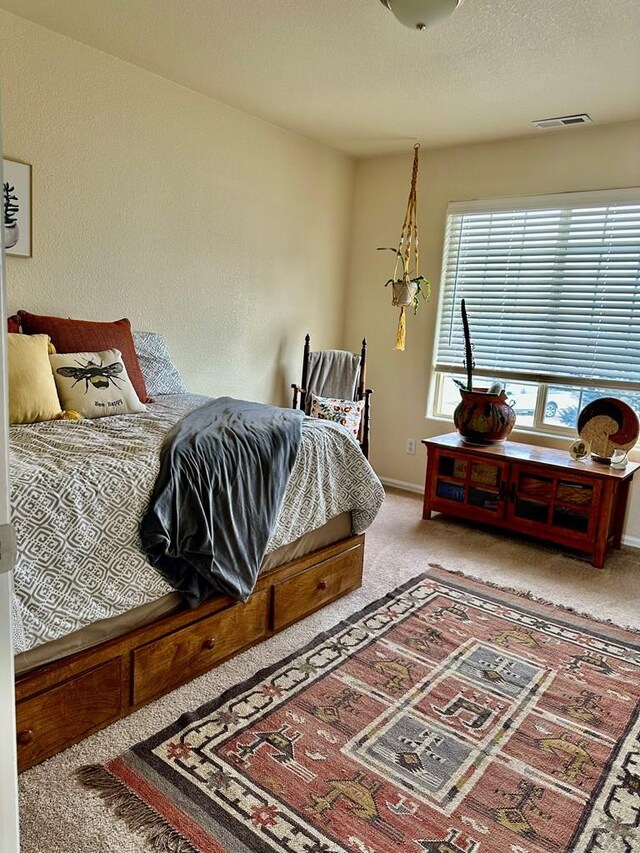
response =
{"points": [[225, 233], [229, 235], [577, 159]]}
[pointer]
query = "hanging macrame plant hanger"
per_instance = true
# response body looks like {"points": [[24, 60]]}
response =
{"points": [[407, 288]]}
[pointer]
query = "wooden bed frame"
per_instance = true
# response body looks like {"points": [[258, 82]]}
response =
{"points": [[61, 703]]}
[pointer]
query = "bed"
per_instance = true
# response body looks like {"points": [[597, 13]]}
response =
{"points": [[97, 631]]}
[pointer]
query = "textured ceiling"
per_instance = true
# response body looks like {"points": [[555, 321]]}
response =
{"points": [[346, 73]]}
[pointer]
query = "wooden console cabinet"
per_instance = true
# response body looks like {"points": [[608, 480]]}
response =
{"points": [[528, 489]]}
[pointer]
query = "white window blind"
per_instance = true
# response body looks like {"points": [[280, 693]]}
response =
{"points": [[552, 287]]}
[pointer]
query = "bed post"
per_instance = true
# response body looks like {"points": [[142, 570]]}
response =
{"points": [[305, 372], [362, 384], [363, 394], [364, 444]]}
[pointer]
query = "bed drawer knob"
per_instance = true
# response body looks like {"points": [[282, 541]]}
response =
{"points": [[25, 737], [322, 585], [209, 644]]}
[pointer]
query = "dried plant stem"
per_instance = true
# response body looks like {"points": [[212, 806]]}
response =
{"points": [[468, 354]]}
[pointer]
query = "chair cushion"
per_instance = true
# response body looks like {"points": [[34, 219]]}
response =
{"points": [[94, 384], [345, 412], [73, 336], [32, 390]]}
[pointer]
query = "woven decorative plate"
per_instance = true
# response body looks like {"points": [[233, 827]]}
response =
{"points": [[608, 424]]}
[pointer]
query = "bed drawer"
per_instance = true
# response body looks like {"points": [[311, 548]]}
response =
{"points": [[303, 593], [166, 663], [53, 720]]}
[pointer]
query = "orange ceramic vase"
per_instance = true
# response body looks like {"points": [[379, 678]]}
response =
{"points": [[483, 418]]}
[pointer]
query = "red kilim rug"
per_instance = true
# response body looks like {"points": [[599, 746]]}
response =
{"points": [[449, 717]]}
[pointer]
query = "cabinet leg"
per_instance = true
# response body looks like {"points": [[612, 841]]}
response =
{"points": [[622, 496], [429, 473], [600, 547], [604, 525]]}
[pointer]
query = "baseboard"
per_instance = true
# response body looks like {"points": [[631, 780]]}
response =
{"points": [[400, 484], [629, 541]]}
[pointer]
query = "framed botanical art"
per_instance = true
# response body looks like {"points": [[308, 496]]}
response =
{"points": [[16, 208]]}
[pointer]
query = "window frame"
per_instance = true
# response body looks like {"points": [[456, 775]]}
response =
{"points": [[540, 379], [538, 414]]}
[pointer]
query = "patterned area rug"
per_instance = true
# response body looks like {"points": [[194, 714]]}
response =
{"points": [[448, 717]]}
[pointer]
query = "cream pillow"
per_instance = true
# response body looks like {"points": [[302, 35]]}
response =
{"points": [[345, 412], [95, 384], [32, 390]]}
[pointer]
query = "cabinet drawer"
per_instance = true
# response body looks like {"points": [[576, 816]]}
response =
{"points": [[164, 664], [53, 720], [306, 592]]}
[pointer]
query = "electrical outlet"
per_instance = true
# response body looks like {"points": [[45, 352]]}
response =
{"points": [[411, 445]]}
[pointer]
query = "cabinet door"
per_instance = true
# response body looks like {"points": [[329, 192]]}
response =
{"points": [[468, 485], [552, 504], [530, 497], [576, 507]]}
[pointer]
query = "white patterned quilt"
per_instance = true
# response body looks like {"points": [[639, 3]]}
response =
{"points": [[79, 489]]}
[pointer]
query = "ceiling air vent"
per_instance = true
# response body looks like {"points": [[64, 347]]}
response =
{"points": [[562, 121]]}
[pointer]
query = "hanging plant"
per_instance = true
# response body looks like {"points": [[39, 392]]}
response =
{"points": [[407, 284], [408, 293]]}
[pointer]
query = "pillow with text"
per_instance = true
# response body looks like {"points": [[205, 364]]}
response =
{"points": [[95, 384]]}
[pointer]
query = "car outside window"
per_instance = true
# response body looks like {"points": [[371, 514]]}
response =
{"points": [[548, 408]]}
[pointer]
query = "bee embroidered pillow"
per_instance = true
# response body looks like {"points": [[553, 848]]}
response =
{"points": [[94, 384]]}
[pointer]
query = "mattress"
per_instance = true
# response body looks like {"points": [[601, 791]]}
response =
{"points": [[79, 489], [107, 629]]}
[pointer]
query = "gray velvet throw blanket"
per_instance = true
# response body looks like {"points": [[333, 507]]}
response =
{"points": [[223, 472]]}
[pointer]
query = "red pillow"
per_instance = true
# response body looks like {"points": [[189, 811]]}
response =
{"points": [[85, 336], [13, 324]]}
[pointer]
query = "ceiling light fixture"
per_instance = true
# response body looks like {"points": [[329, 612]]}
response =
{"points": [[420, 14]]}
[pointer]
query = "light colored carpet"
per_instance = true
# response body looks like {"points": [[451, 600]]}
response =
{"points": [[58, 816]]}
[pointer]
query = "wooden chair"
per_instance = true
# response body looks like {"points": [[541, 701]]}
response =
{"points": [[302, 392]]}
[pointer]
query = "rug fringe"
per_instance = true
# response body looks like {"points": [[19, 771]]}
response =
{"points": [[138, 816], [532, 597]]}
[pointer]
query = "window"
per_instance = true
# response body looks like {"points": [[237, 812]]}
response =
{"points": [[552, 286]]}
